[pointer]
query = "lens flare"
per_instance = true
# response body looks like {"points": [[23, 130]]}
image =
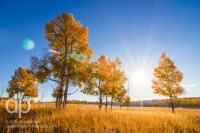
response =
{"points": [[53, 51], [77, 57], [28, 44]]}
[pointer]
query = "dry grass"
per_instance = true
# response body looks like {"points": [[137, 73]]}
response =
{"points": [[87, 119]]}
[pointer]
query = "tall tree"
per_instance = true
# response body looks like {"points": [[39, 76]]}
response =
{"points": [[167, 79], [67, 37], [23, 84]]}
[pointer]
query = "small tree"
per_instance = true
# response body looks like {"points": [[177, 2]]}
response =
{"points": [[167, 79], [121, 96], [42, 96], [127, 101], [1, 93], [23, 84]]}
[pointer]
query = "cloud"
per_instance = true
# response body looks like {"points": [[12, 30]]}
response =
{"points": [[189, 85]]}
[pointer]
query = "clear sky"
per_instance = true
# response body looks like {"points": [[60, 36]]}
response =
{"points": [[136, 31]]}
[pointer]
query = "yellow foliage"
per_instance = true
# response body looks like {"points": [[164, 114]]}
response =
{"points": [[23, 82], [167, 78]]}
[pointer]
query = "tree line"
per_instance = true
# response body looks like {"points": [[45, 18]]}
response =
{"points": [[191, 102]]}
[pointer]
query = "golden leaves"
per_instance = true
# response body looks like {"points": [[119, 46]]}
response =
{"points": [[107, 78], [23, 82], [167, 78]]}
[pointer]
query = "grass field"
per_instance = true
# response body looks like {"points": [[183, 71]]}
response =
{"points": [[88, 119]]}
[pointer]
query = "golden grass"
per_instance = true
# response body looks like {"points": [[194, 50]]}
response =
{"points": [[88, 119]]}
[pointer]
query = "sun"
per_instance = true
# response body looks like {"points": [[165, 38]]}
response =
{"points": [[139, 78]]}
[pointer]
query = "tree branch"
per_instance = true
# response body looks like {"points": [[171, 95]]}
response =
{"points": [[54, 80]]}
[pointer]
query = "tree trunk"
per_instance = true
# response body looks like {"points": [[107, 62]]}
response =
{"points": [[120, 106], [18, 94], [100, 96], [111, 102], [172, 104], [106, 101], [100, 101], [112, 99], [66, 75], [66, 92], [60, 95]]}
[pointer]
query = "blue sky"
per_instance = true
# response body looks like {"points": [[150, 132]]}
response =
{"points": [[136, 31]]}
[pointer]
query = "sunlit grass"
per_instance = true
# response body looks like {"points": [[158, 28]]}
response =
{"points": [[87, 118]]}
